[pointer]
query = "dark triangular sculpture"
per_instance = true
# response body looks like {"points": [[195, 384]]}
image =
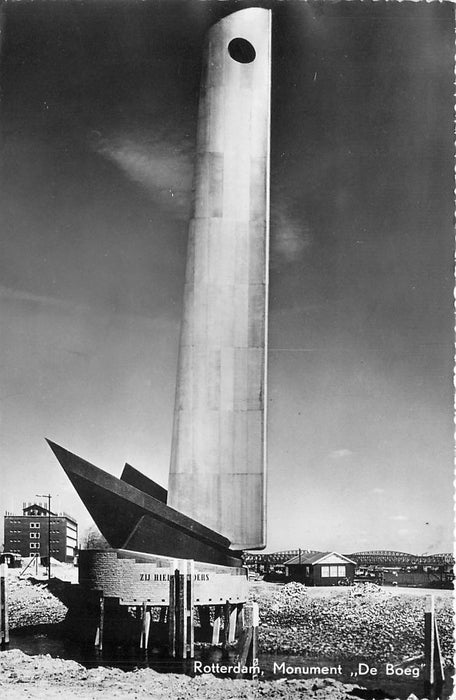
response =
{"points": [[134, 477], [131, 518]]}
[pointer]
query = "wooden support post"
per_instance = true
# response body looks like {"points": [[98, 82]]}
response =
{"points": [[434, 672], [145, 627], [205, 622], [190, 610], [438, 658], [252, 659], [233, 624], [429, 642], [226, 623], [229, 619], [239, 620], [248, 642], [172, 615], [181, 614], [244, 644], [100, 627], [163, 615], [32, 560], [4, 625], [217, 624]]}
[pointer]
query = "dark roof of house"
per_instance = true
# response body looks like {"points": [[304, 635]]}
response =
{"points": [[315, 558]]}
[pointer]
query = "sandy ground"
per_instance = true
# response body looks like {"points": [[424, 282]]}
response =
{"points": [[24, 676], [64, 572]]}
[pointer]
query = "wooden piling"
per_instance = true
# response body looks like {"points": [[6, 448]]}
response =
{"points": [[172, 615], [434, 672], [232, 624], [163, 614], [245, 641], [439, 672], [248, 641], [4, 624], [145, 627], [100, 627], [254, 620], [229, 620], [226, 623], [190, 609], [205, 622], [181, 615], [239, 620], [218, 614]]}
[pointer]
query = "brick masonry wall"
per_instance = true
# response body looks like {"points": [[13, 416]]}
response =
{"points": [[135, 581]]}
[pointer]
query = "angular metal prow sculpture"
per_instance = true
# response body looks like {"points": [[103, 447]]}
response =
{"points": [[131, 518], [133, 477]]}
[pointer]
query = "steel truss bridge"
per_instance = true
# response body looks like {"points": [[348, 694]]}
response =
{"points": [[392, 558], [386, 558], [276, 557]]}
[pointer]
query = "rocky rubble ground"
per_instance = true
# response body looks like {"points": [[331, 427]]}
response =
{"points": [[365, 621], [31, 603]]}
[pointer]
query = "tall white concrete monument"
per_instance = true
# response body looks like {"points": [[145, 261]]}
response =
{"points": [[218, 458], [215, 505]]}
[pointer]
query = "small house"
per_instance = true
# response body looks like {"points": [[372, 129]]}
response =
{"points": [[12, 560], [321, 569]]}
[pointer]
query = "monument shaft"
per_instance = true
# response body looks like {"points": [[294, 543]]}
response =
{"points": [[218, 455]]}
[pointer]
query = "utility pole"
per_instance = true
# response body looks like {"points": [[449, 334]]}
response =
{"points": [[48, 496]]}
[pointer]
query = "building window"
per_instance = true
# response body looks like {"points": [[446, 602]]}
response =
{"points": [[333, 571], [34, 525], [34, 535], [34, 545]]}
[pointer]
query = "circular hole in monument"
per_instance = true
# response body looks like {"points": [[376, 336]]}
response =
{"points": [[241, 50]]}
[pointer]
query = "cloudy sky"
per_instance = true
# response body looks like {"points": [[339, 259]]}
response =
{"points": [[99, 105]]}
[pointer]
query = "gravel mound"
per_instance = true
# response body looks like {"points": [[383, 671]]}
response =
{"points": [[32, 604], [368, 588], [365, 622]]}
